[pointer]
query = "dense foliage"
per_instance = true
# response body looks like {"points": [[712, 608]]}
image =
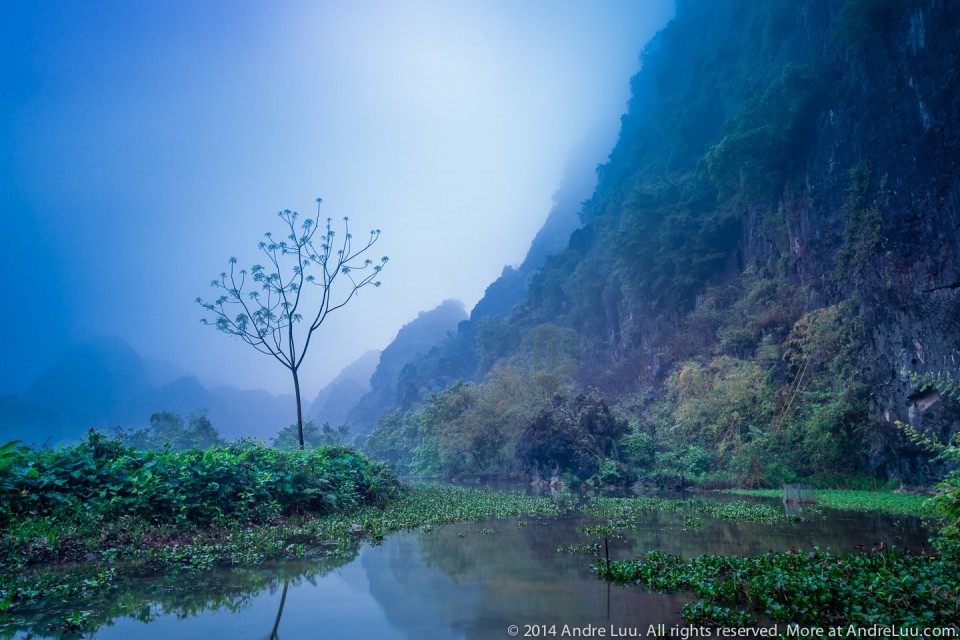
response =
{"points": [[859, 500], [313, 436], [946, 502], [169, 429], [885, 587], [103, 480], [778, 400]]}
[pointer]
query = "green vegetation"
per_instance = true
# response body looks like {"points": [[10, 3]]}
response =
{"points": [[766, 142], [946, 502], [168, 429], [853, 500], [776, 402], [622, 510], [102, 509], [776, 399], [861, 23], [65, 503], [883, 587], [313, 436], [887, 587], [511, 423]]}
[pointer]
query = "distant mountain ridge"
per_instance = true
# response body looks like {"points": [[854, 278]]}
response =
{"points": [[427, 331], [103, 383], [578, 182], [334, 401]]}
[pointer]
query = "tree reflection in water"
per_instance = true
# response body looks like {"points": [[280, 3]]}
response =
{"points": [[283, 599]]}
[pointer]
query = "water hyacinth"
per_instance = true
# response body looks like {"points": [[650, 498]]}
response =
{"points": [[624, 509], [879, 501], [887, 587]]}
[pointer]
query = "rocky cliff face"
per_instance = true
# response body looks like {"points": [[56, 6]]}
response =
{"points": [[831, 133], [893, 109], [772, 244]]}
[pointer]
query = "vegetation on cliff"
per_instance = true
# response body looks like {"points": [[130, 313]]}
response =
{"points": [[748, 281]]}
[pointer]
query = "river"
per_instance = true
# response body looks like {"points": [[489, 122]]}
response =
{"points": [[466, 580]]}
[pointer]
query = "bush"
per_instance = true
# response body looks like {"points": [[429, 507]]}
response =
{"points": [[288, 438], [946, 503], [576, 436], [105, 479], [639, 448], [169, 429]]}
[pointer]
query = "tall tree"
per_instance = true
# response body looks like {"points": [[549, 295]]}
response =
{"points": [[274, 319]]}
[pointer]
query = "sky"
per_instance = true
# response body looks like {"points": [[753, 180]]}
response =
{"points": [[142, 144]]}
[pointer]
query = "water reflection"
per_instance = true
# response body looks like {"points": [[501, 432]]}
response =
{"points": [[468, 581], [478, 585], [283, 599]]}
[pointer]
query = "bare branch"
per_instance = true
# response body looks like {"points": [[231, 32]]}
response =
{"points": [[270, 320]]}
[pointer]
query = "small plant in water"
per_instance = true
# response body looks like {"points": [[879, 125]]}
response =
{"points": [[76, 622], [580, 548]]}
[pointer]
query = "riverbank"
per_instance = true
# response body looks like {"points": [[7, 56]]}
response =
{"points": [[147, 549], [82, 523]]}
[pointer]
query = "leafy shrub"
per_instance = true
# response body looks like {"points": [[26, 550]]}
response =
{"points": [[639, 448], [169, 429], [687, 460], [946, 503], [105, 479], [313, 436], [575, 436]]}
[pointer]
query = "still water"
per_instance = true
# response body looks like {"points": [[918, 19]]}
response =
{"points": [[470, 580]]}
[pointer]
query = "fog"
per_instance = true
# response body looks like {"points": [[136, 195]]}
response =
{"points": [[143, 144]]}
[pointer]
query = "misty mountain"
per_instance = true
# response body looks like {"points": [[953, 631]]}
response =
{"points": [[770, 247], [457, 357], [334, 401], [103, 383], [429, 329], [100, 382], [578, 182], [20, 420]]}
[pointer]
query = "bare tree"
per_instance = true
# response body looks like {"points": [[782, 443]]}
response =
{"points": [[266, 307]]}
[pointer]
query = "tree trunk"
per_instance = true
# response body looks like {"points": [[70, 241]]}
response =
{"points": [[296, 388]]}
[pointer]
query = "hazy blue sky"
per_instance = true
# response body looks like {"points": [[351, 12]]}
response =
{"points": [[144, 143]]}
